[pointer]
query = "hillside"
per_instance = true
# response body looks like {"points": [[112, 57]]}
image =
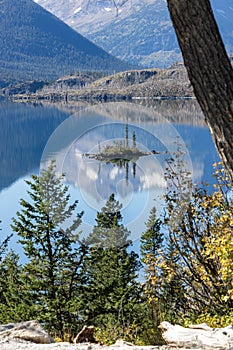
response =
{"points": [[146, 83], [37, 45], [137, 31]]}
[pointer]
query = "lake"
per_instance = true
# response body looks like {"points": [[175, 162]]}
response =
{"points": [[34, 134]]}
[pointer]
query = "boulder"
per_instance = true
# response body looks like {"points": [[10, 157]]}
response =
{"points": [[197, 337], [86, 335], [30, 331]]}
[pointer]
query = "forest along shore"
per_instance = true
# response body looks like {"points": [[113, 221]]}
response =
{"points": [[129, 85]]}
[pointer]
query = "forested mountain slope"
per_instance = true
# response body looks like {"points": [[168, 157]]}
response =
{"points": [[139, 31], [35, 44]]}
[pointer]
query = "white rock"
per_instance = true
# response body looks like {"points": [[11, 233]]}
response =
{"points": [[29, 331], [198, 337]]}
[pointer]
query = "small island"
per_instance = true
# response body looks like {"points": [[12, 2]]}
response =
{"points": [[116, 152], [119, 151]]}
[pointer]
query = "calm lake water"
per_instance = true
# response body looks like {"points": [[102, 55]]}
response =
{"points": [[32, 135]]}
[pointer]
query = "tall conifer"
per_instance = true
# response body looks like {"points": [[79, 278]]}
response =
{"points": [[112, 290], [47, 229]]}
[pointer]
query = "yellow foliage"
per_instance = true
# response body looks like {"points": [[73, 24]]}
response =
{"points": [[203, 243], [214, 321]]}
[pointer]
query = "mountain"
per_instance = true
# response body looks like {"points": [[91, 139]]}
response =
{"points": [[139, 31], [37, 45]]}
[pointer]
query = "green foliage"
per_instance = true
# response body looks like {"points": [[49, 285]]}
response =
{"points": [[138, 332], [108, 231], [187, 255], [192, 275], [151, 246], [112, 292], [203, 241], [51, 277], [152, 238], [4, 245], [15, 303]]}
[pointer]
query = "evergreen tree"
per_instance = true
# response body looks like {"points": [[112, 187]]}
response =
{"points": [[170, 281], [15, 303], [47, 232], [150, 248], [151, 239], [112, 292], [108, 231], [3, 248], [4, 244]]}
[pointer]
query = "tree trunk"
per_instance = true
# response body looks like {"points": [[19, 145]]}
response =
{"points": [[199, 337], [209, 70]]}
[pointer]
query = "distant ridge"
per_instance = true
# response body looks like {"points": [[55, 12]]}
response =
{"points": [[138, 31], [37, 45]]}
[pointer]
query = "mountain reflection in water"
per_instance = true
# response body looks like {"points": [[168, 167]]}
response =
{"points": [[93, 173], [67, 132]]}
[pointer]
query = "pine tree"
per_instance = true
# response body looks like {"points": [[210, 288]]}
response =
{"points": [[47, 232], [150, 248], [15, 303], [171, 289], [112, 292], [4, 244], [151, 239], [3, 248], [108, 231]]}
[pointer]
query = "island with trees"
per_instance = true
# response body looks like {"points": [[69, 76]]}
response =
{"points": [[120, 150]]}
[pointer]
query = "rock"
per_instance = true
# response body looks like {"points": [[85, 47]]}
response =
{"points": [[30, 331], [121, 343], [86, 335], [198, 337]]}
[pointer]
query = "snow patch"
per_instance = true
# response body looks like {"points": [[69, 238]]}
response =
{"points": [[108, 9], [77, 10]]}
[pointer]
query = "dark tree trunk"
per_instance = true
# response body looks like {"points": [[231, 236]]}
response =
{"points": [[209, 70]]}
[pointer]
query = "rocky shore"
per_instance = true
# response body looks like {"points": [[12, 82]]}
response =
{"points": [[151, 83], [31, 335], [24, 345]]}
